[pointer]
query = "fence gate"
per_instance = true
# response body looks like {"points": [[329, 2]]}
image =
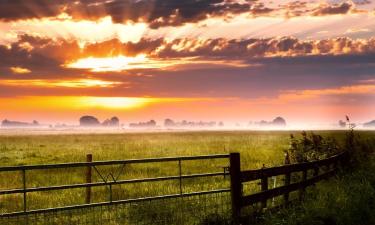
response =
{"points": [[137, 191]]}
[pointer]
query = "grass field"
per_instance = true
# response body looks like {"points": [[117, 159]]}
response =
{"points": [[256, 148]]}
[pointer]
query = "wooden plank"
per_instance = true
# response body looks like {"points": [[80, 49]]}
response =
{"points": [[258, 197], [88, 179], [264, 187], [303, 190], [236, 186], [287, 181], [251, 175]]}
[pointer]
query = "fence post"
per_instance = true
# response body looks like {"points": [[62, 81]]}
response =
{"points": [[180, 175], [24, 190], [303, 189], [264, 187], [287, 179], [88, 179], [235, 185], [316, 171]]}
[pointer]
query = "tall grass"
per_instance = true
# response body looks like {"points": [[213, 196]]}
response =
{"points": [[256, 148], [348, 199]]}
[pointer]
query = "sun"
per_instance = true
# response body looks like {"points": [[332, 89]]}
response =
{"points": [[113, 102], [109, 64]]}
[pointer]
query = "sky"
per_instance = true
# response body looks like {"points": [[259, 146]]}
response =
{"points": [[311, 62]]}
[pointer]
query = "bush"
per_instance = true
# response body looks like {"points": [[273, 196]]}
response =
{"points": [[311, 147]]}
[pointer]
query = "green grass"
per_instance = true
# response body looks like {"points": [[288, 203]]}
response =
{"points": [[256, 148], [348, 199]]}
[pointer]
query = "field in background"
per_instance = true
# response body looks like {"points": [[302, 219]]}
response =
{"points": [[256, 148]]}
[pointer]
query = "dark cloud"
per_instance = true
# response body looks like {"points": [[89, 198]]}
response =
{"points": [[260, 9], [270, 47], [26, 9], [284, 64], [362, 2], [45, 56], [160, 13], [115, 47], [156, 13], [326, 9], [42, 56], [303, 8]]}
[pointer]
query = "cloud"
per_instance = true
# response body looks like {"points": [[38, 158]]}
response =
{"points": [[357, 30], [197, 67], [326, 9], [20, 70], [260, 9], [77, 83], [359, 90], [304, 8], [259, 48], [40, 57], [26, 9], [162, 13], [155, 12]]}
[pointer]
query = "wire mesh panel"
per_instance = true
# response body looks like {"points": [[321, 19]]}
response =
{"points": [[200, 209]]}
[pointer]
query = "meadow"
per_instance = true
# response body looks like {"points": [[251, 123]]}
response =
{"points": [[257, 148]]}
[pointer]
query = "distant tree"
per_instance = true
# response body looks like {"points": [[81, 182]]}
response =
{"points": [[147, 124], [115, 122], [106, 123], [8, 123], [279, 121], [221, 124], [152, 123], [88, 121], [169, 123]]}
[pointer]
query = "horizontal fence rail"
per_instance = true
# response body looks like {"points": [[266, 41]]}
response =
{"points": [[111, 162], [321, 169], [73, 207], [251, 175], [90, 166]]}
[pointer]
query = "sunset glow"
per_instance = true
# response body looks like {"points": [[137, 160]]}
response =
{"points": [[113, 102], [118, 63], [239, 61], [80, 83], [19, 70]]}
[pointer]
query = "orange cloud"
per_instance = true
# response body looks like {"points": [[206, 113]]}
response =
{"points": [[79, 83], [19, 70], [360, 89], [121, 63]]}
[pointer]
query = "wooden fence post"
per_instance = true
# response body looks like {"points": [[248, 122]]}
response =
{"points": [[88, 179], [287, 179], [264, 187], [24, 190], [316, 171], [235, 185], [303, 190]]}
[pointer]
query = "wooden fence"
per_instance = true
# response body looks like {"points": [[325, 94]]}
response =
{"points": [[319, 170], [310, 173]]}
